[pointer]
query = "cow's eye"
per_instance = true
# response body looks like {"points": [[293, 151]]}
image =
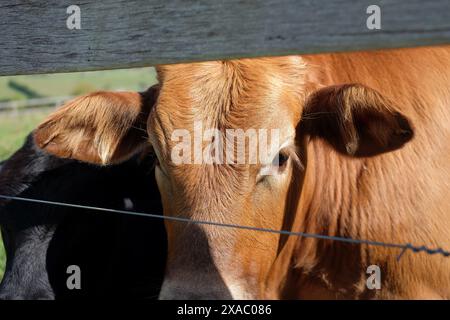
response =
{"points": [[282, 159], [278, 166]]}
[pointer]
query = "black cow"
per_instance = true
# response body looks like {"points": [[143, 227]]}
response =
{"points": [[118, 255]]}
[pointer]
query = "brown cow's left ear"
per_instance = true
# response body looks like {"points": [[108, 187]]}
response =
{"points": [[100, 128], [355, 120]]}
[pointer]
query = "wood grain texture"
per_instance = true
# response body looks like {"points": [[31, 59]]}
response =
{"points": [[131, 33]]}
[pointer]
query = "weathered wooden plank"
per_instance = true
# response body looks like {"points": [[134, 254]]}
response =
{"points": [[130, 33]]}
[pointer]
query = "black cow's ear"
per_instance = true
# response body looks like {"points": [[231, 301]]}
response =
{"points": [[100, 128], [355, 120]]}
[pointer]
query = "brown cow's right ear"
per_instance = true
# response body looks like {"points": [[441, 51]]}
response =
{"points": [[100, 128], [356, 120]]}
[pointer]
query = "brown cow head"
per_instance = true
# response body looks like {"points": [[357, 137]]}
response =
{"points": [[195, 179]]}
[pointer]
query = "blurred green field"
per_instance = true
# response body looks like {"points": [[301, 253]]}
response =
{"points": [[16, 125], [67, 84]]}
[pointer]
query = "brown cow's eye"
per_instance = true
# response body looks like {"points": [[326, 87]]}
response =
{"points": [[278, 166], [282, 159]]}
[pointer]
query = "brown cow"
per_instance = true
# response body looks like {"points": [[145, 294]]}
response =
{"points": [[345, 169]]}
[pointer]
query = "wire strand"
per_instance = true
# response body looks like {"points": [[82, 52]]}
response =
{"points": [[404, 247]]}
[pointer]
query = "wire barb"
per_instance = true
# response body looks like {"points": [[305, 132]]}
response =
{"points": [[404, 247]]}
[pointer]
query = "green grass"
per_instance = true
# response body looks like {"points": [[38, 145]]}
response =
{"points": [[15, 126], [66, 84]]}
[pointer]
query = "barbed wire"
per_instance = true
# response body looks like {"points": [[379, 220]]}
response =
{"points": [[404, 247]]}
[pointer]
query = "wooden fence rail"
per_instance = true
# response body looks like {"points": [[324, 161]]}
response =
{"points": [[34, 37]]}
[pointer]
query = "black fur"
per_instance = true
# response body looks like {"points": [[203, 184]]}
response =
{"points": [[119, 256]]}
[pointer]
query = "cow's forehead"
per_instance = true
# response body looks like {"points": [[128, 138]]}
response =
{"points": [[242, 94], [245, 93]]}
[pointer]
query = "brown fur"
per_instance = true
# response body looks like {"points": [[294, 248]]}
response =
{"points": [[397, 197], [352, 115]]}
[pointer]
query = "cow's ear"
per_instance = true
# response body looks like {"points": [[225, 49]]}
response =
{"points": [[100, 128], [355, 120]]}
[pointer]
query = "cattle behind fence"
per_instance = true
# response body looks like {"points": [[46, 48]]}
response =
{"points": [[36, 36], [403, 246]]}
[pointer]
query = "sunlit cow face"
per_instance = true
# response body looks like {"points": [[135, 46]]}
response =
{"points": [[217, 105]]}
